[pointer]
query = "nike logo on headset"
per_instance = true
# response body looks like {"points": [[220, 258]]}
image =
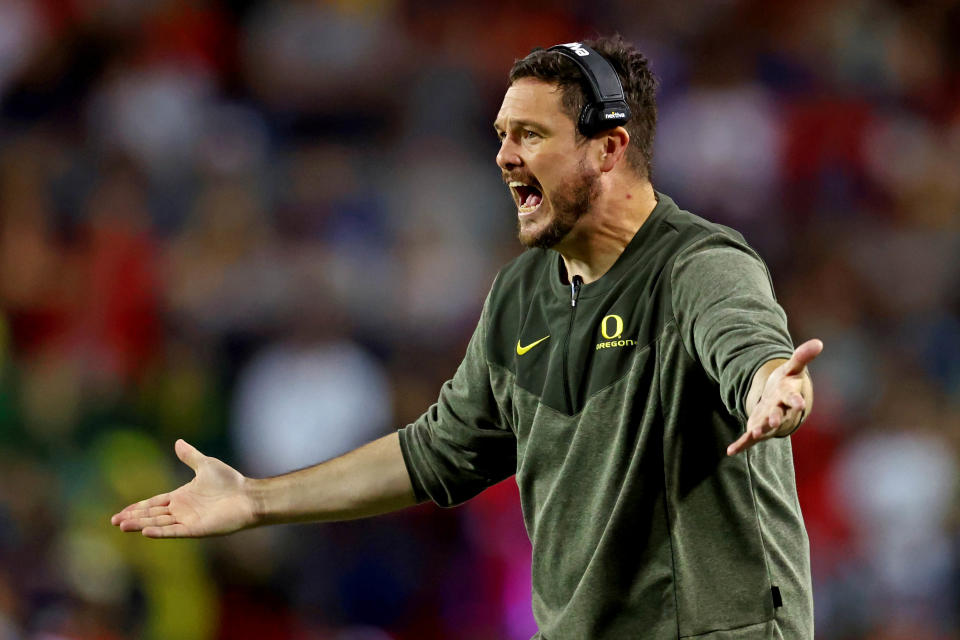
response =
{"points": [[523, 350]]}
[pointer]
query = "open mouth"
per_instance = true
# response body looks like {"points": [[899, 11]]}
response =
{"points": [[528, 198]]}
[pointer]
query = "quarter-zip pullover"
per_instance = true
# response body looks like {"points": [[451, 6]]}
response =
{"points": [[616, 428]]}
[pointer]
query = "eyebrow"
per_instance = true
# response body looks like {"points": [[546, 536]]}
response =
{"points": [[520, 123]]}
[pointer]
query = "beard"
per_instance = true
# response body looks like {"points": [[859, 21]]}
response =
{"points": [[569, 203]]}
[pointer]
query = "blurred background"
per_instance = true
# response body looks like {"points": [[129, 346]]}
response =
{"points": [[268, 227]]}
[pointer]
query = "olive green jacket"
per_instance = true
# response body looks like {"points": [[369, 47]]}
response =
{"points": [[613, 404]]}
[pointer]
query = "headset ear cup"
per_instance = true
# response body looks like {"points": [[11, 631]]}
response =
{"points": [[606, 106], [588, 121]]}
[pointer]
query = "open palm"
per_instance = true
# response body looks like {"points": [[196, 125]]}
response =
{"points": [[782, 404], [215, 502]]}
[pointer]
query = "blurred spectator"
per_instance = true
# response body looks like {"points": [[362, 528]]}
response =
{"points": [[302, 402], [700, 143], [333, 59], [21, 33], [154, 114], [120, 321], [38, 280], [269, 227], [225, 272], [898, 483]]}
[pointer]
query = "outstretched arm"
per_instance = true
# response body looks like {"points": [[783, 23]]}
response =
{"points": [[780, 397], [367, 481]]}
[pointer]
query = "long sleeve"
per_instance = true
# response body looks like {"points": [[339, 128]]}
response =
{"points": [[461, 445], [728, 317]]}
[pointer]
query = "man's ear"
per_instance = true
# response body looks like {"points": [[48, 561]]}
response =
{"points": [[614, 146]]}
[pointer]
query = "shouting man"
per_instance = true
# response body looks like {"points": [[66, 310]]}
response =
{"points": [[627, 369]]}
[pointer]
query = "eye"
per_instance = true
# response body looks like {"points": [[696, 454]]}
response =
{"points": [[530, 135]]}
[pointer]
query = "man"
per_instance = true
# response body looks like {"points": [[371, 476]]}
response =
{"points": [[618, 369]]}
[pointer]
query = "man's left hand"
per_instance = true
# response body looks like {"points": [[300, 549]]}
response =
{"points": [[786, 396]]}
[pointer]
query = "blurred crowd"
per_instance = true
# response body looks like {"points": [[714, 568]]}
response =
{"points": [[268, 227]]}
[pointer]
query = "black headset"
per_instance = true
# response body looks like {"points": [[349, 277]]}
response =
{"points": [[608, 107]]}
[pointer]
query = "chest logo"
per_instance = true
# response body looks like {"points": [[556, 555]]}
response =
{"points": [[617, 328], [611, 328], [523, 350]]}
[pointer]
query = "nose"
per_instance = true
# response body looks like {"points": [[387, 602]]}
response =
{"points": [[507, 157]]}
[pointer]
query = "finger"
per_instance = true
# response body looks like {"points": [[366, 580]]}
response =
{"points": [[795, 401], [774, 418], [763, 421], [141, 523], [802, 356], [158, 521], [168, 531], [188, 454], [793, 413], [757, 420], [130, 525], [744, 442], [161, 500], [143, 513], [749, 438]]}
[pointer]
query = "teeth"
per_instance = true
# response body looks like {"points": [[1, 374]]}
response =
{"points": [[528, 209], [514, 184]]}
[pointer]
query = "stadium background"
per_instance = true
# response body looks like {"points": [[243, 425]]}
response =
{"points": [[267, 227]]}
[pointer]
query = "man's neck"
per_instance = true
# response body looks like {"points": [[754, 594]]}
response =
{"points": [[594, 245]]}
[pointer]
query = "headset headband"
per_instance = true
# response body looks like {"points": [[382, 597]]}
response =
{"points": [[607, 107]]}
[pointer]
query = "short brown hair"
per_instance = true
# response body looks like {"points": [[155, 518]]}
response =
{"points": [[639, 88]]}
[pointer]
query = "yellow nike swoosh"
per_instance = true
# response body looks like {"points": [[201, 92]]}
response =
{"points": [[523, 350]]}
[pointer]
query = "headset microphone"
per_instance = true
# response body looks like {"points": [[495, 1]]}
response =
{"points": [[606, 107]]}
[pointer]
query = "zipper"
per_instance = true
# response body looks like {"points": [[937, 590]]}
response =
{"points": [[575, 283]]}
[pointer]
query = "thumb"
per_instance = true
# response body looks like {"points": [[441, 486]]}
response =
{"points": [[803, 355], [188, 454]]}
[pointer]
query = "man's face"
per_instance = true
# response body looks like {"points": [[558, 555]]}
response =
{"points": [[542, 163]]}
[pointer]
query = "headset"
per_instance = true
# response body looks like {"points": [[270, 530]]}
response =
{"points": [[608, 108]]}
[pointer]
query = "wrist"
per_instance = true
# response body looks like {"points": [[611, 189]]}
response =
{"points": [[255, 491]]}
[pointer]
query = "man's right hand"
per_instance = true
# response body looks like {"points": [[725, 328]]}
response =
{"points": [[215, 502]]}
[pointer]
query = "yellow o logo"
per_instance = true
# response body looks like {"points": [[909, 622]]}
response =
{"points": [[617, 323]]}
